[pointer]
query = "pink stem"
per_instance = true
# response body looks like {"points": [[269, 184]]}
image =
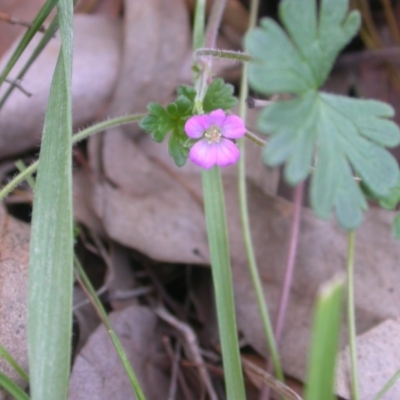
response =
{"points": [[287, 282]]}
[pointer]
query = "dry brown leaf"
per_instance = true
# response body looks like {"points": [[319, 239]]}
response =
{"points": [[85, 316], [14, 253], [156, 40], [378, 360], [98, 373], [144, 206], [95, 65], [321, 254]]}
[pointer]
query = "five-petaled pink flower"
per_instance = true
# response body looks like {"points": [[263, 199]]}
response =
{"points": [[215, 132]]}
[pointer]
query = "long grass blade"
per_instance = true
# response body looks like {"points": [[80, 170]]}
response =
{"points": [[87, 286], [214, 205], [51, 251]]}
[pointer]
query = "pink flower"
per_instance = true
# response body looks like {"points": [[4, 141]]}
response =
{"points": [[215, 132]]}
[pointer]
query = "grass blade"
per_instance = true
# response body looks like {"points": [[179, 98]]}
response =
{"points": [[388, 385], [36, 25], [12, 388], [88, 288], [51, 251], [325, 342], [11, 360], [214, 205]]}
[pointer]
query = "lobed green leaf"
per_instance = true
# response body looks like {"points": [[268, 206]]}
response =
{"points": [[158, 123], [342, 137], [219, 95], [300, 59]]}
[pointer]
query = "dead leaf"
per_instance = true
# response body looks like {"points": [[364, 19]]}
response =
{"points": [[378, 360], [14, 253], [322, 253], [156, 40], [98, 373], [95, 66]]}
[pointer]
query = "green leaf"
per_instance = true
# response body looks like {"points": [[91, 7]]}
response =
{"points": [[343, 133], [180, 109], [188, 91], [51, 247], [342, 137], [325, 342], [177, 147], [301, 59], [219, 95], [158, 122]]}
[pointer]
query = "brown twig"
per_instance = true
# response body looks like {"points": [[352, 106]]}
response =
{"points": [[391, 20], [176, 375], [17, 84], [279, 387], [14, 21], [191, 347]]}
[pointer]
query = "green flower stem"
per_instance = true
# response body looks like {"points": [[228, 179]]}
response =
{"points": [[351, 316], [101, 312], [75, 139], [224, 54], [206, 63], [255, 276], [214, 205], [255, 139], [199, 23]]}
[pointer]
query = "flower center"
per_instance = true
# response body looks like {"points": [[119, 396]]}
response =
{"points": [[213, 134]]}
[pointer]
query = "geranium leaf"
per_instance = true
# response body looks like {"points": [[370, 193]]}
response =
{"points": [[158, 123], [219, 95], [340, 138], [177, 147], [301, 59]]}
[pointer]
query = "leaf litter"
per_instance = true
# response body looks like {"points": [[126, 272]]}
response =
{"points": [[136, 199]]}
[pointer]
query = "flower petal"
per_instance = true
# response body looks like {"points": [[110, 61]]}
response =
{"points": [[217, 118], [197, 125], [204, 154], [227, 153], [233, 127]]}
